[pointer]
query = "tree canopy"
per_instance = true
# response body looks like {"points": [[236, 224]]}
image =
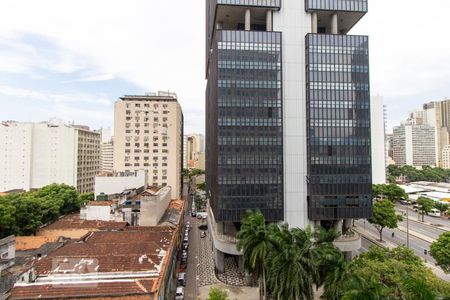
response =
{"points": [[440, 250], [425, 206], [427, 173], [23, 213], [384, 216], [391, 192]]}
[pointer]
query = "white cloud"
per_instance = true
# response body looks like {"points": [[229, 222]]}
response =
{"points": [[159, 45], [54, 98]]}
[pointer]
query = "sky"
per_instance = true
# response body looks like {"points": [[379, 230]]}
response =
{"points": [[73, 59]]}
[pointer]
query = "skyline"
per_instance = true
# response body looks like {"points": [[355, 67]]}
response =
{"points": [[53, 65]]}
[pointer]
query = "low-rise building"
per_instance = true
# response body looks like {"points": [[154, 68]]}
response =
{"points": [[154, 202], [116, 183], [74, 227], [136, 263]]}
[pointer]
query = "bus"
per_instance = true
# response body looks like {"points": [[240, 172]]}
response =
{"points": [[434, 212]]}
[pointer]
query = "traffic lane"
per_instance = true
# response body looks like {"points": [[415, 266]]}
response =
{"points": [[427, 230], [415, 244], [193, 252], [429, 219]]}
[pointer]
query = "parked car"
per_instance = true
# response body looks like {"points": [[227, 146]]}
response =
{"points": [[203, 234], [181, 281], [193, 213], [203, 227], [199, 217], [185, 246], [179, 294], [434, 212]]}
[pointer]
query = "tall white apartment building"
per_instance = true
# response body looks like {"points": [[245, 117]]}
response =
{"points": [[37, 154], [107, 151], [414, 145], [378, 136], [193, 148], [148, 134]]}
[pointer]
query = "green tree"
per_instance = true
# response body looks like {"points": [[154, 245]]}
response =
{"points": [[7, 217], [254, 242], [217, 294], [440, 250], [425, 206], [292, 269], [202, 186], [85, 198], [391, 192], [384, 216], [442, 207]]}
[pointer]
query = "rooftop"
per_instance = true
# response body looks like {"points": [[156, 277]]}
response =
{"points": [[24, 243], [114, 289], [114, 251], [100, 203], [73, 221], [160, 96]]}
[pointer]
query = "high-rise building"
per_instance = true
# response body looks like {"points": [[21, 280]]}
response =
{"points": [[107, 151], [378, 138], [287, 112], [194, 151], [38, 154], [148, 134], [414, 145]]}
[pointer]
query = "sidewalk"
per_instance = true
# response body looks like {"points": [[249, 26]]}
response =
{"points": [[234, 293], [386, 244]]}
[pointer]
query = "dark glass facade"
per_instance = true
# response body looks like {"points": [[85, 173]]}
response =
{"points": [[338, 122], [244, 125], [337, 5]]}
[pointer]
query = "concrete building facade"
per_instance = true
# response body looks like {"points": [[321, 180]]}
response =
{"points": [[38, 154], [148, 134], [378, 136], [194, 153], [414, 145], [287, 114]]}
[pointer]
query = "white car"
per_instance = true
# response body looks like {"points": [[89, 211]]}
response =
{"points": [[179, 294]]}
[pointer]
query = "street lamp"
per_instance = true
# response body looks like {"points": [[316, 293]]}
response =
{"points": [[407, 223]]}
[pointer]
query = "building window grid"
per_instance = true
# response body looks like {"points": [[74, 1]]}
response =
{"points": [[338, 115]]}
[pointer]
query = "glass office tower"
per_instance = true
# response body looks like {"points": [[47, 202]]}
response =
{"points": [[287, 112]]}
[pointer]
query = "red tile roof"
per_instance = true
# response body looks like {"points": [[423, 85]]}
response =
{"points": [[114, 251], [117, 289], [100, 203], [73, 221]]}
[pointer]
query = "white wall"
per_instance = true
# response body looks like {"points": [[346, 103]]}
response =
{"points": [[54, 155], [102, 213], [15, 156], [295, 23], [35, 154], [377, 124], [117, 184], [153, 207]]}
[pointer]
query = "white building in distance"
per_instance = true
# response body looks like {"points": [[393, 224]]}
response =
{"points": [[378, 135], [38, 154]]}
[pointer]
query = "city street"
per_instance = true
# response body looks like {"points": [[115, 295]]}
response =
{"points": [[416, 244]]}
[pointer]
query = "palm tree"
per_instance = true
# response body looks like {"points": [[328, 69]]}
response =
{"points": [[417, 288], [291, 266], [255, 243]]}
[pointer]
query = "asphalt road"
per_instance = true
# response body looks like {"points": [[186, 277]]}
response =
{"points": [[416, 244], [191, 289]]}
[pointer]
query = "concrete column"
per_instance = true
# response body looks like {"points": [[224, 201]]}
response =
{"points": [[334, 23], [348, 255], [248, 19], [219, 258], [347, 224], [314, 22], [338, 226], [269, 26]]}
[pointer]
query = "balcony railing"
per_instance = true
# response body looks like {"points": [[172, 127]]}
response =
{"points": [[260, 3], [337, 5]]}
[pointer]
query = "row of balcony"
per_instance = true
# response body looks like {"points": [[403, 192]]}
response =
{"points": [[310, 5]]}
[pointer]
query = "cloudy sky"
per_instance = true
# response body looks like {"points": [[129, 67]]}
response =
{"points": [[72, 59]]}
